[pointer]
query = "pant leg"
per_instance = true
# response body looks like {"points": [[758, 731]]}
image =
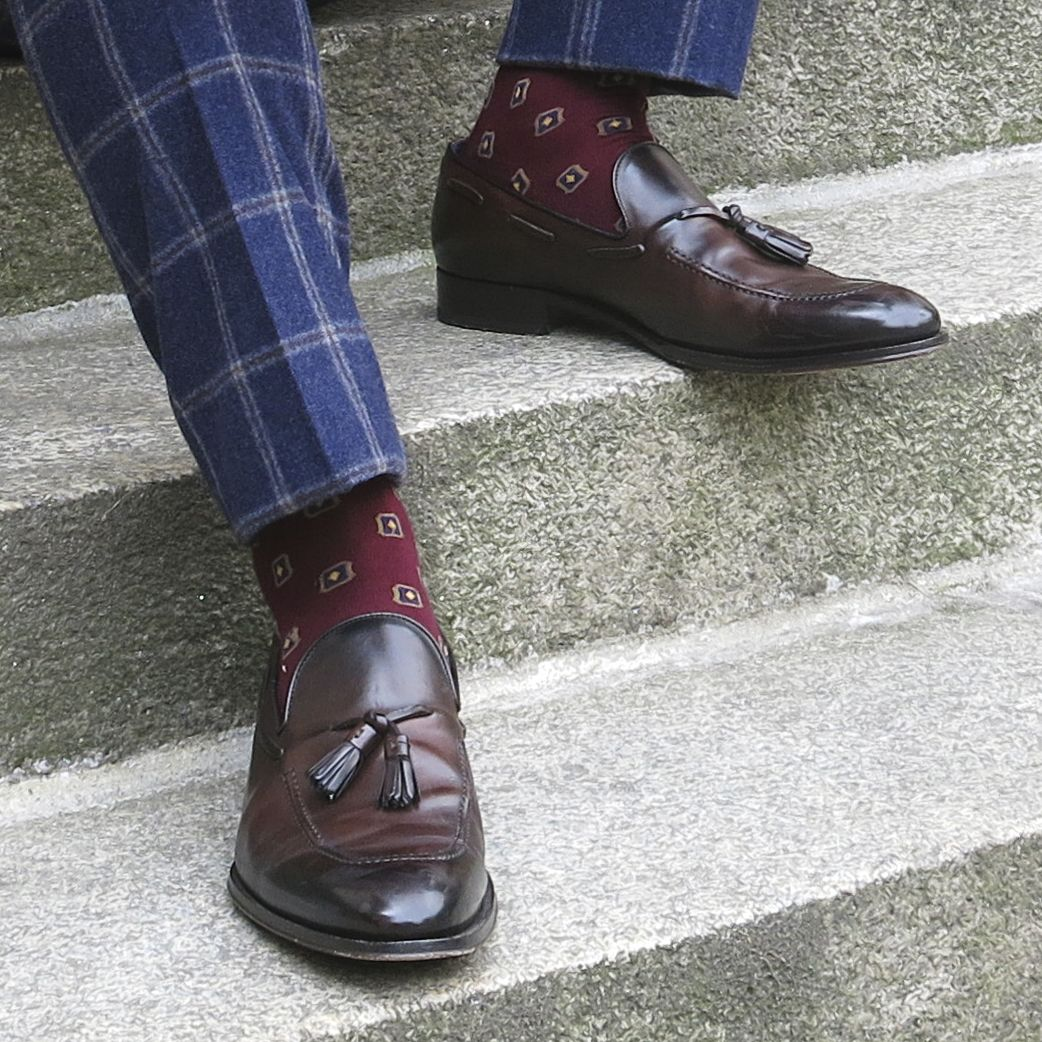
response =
{"points": [[198, 132], [683, 46]]}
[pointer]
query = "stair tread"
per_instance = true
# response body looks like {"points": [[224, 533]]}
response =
{"points": [[636, 795], [84, 408]]}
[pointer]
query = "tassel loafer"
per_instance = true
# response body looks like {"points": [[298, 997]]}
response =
{"points": [[702, 287], [361, 835]]}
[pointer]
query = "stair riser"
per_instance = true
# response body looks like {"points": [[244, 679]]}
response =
{"points": [[831, 87], [131, 618]]}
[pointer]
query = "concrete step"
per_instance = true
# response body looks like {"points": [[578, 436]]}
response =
{"points": [[831, 88], [820, 825], [565, 488]]}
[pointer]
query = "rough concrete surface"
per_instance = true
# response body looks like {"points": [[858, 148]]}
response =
{"points": [[831, 87], [949, 955], [565, 488], [807, 756]]}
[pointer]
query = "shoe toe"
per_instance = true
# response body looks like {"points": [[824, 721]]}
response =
{"points": [[415, 900], [406, 902], [885, 314]]}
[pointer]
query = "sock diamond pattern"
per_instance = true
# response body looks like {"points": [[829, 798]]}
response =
{"points": [[348, 556], [554, 135]]}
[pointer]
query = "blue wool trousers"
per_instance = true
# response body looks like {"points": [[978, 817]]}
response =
{"points": [[198, 132]]}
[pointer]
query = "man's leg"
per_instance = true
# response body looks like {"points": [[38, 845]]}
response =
{"points": [[561, 205], [198, 133]]}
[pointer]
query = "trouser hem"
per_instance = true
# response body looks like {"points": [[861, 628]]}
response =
{"points": [[248, 527], [657, 84]]}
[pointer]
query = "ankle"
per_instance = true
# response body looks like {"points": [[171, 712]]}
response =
{"points": [[352, 555], [554, 135]]}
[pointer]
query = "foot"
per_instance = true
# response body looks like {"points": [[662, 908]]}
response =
{"points": [[702, 287], [361, 835]]}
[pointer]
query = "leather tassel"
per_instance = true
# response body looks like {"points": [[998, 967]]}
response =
{"points": [[774, 242], [400, 790], [337, 769]]}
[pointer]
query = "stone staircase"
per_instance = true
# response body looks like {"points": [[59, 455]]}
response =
{"points": [[810, 604]]}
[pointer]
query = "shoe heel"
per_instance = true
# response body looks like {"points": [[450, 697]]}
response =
{"points": [[495, 306]]}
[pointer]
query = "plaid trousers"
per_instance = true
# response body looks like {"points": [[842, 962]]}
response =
{"points": [[684, 46], [198, 132]]}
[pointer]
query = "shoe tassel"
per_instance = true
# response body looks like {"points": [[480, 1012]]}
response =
{"points": [[399, 789], [775, 242], [337, 769]]}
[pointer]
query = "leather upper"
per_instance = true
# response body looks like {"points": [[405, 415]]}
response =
{"points": [[348, 865], [692, 280]]}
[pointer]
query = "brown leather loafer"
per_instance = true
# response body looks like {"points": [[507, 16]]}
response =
{"points": [[702, 287], [361, 835]]}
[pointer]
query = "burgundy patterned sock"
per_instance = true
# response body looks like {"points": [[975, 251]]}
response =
{"points": [[348, 556], [554, 135]]}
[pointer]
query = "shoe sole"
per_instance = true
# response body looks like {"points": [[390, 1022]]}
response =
{"points": [[420, 949], [499, 307]]}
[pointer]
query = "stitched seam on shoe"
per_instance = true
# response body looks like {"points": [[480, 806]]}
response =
{"points": [[456, 848], [706, 272], [317, 842], [299, 813]]}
